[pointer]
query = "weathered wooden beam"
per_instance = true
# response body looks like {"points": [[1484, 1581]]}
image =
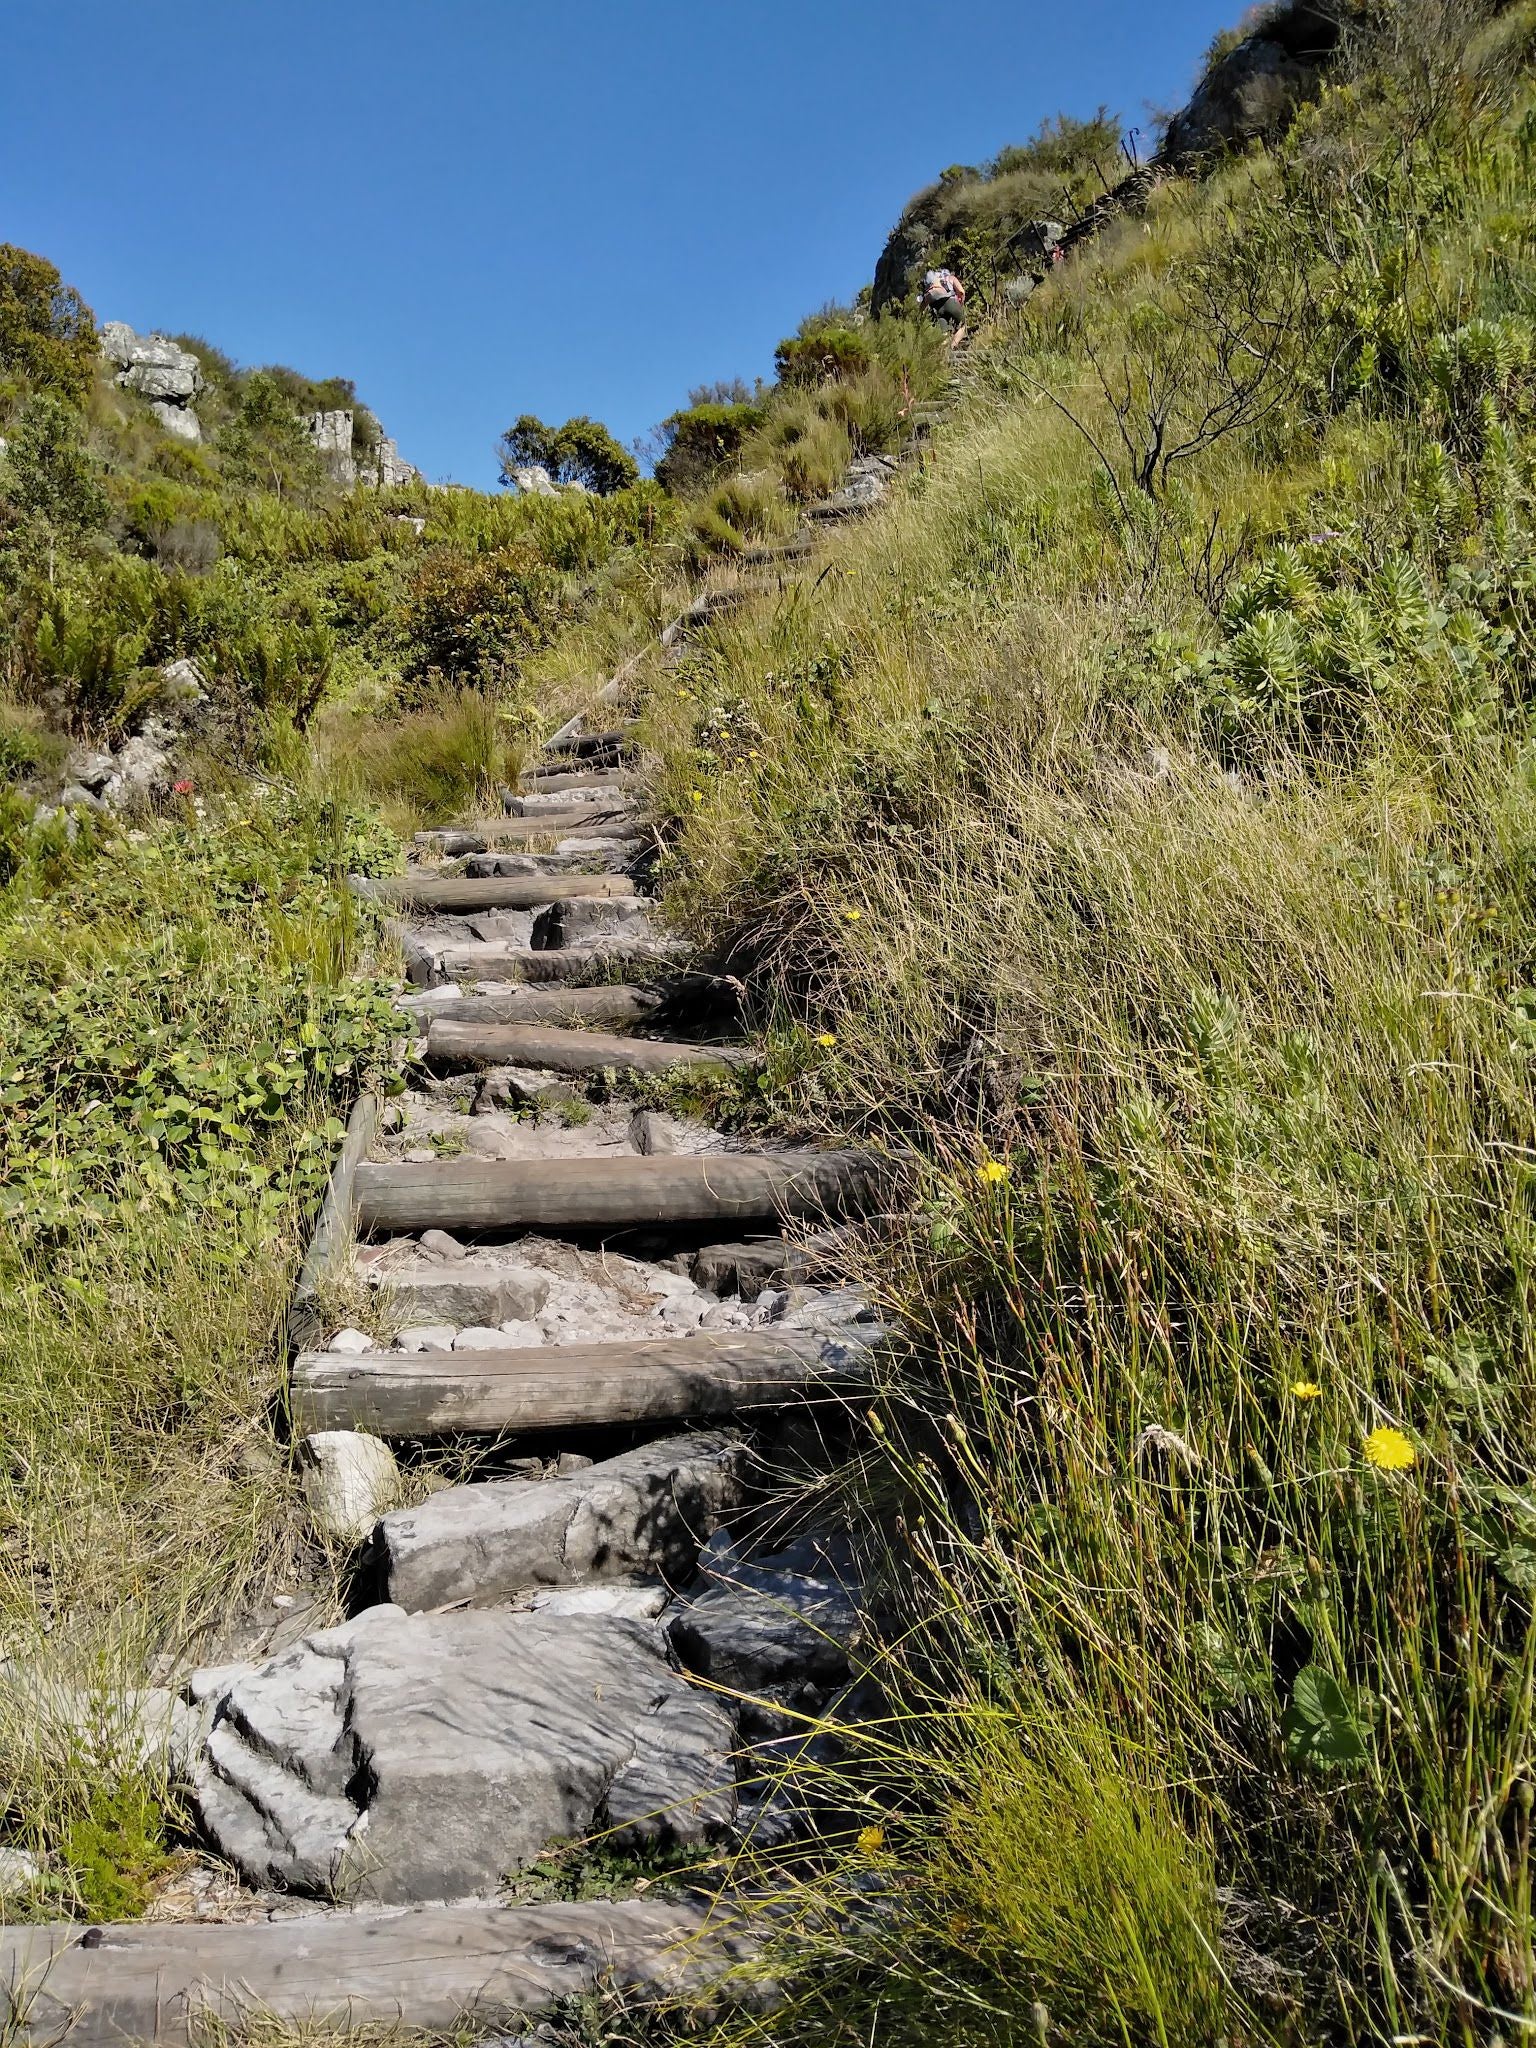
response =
{"points": [[429, 1968], [612, 1003], [602, 781], [578, 746], [615, 1192], [490, 960], [544, 821], [454, 1047], [335, 1223], [495, 892], [566, 1386]]}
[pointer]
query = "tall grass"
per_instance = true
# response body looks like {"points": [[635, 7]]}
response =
{"points": [[1156, 854]]}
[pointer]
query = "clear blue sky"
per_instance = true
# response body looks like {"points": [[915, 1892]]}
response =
{"points": [[476, 208]]}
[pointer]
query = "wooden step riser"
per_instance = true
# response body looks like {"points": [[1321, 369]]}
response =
{"points": [[618, 1004], [615, 1193], [455, 894], [456, 1048], [566, 1386], [546, 781], [491, 835], [519, 964]]}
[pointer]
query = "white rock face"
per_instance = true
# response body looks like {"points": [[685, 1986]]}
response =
{"points": [[19, 1873], [381, 468], [350, 1481], [158, 369], [406, 1757]]}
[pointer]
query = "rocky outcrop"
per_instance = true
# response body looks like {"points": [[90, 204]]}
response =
{"points": [[411, 1757], [379, 467], [159, 370], [1251, 93]]}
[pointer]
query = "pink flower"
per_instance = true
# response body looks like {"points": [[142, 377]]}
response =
{"points": [[183, 788]]}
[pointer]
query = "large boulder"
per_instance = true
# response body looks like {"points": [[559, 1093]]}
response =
{"points": [[1249, 94], [159, 370], [410, 1757], [649, 1511]]}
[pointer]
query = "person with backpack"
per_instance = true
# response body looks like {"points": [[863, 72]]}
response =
{"points": [[944, 296]]}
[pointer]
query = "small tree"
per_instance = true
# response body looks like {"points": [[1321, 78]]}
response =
{"points": [[581, 452], [47, 331], [48, 474]]}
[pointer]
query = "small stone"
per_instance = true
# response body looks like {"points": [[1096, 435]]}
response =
{"points": [[351, 1343], [442, 1245], [350, 1480], [74, 794], [520, 1336], [637, 1603], [19, 1873], [420, 1155], [572, 1461], [426, 1337], [650, 1133], [479, 1338]]}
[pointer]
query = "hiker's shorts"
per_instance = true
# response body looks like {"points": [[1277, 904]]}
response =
{"points": [[950, 311]]}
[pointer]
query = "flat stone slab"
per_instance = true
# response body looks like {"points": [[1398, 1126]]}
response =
{"points": [[412, 1757], [427, 1967], [648, 1512]]}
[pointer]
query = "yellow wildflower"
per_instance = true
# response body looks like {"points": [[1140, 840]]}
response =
{"points": [[1305, 1390], [991, 1171], [826, 1038], [696, 796], [852, 914], [871, 1841], [1389, 1450]]}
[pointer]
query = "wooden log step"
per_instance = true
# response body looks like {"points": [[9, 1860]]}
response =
{"points": [[578, 746], [613, 1003], [545, 780], [490, 960], [497, 892], [455, 1047], [615, 1192], [543, 821], [428, 1968], [567, 1386]]}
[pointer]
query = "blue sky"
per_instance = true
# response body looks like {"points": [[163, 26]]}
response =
{"points": [[476, 208]]}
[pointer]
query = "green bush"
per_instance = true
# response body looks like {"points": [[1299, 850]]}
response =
{"points": [[472, 618], [581, 452], [47, 332], [700, 441], [822, 357]]}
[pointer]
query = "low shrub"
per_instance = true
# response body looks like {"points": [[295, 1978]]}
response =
{"points": [[822, 357]]}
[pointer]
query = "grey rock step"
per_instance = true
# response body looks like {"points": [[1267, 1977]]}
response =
{"points": [[590, 920], [427, 1756], [590, 797], [454, 1047], [746, 1269], [772, 1624], [648, 1512], [706, 1375], [428, 1968], [585, 856]]}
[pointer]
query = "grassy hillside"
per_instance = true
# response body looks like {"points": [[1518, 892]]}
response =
{"points": [[1139, 814], [1144, 806]]}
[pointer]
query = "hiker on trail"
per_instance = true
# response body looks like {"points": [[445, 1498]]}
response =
{"points": [[944, 296]]}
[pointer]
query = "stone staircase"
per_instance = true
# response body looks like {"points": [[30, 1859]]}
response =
{"points": [[608, 1633]]}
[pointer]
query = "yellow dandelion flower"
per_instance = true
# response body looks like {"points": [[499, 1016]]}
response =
{"points": [[871, 1841], [696, 796], [1389, 1450], [826, 1038], [852, 913], [991, 1171], [1305, 1390]]}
